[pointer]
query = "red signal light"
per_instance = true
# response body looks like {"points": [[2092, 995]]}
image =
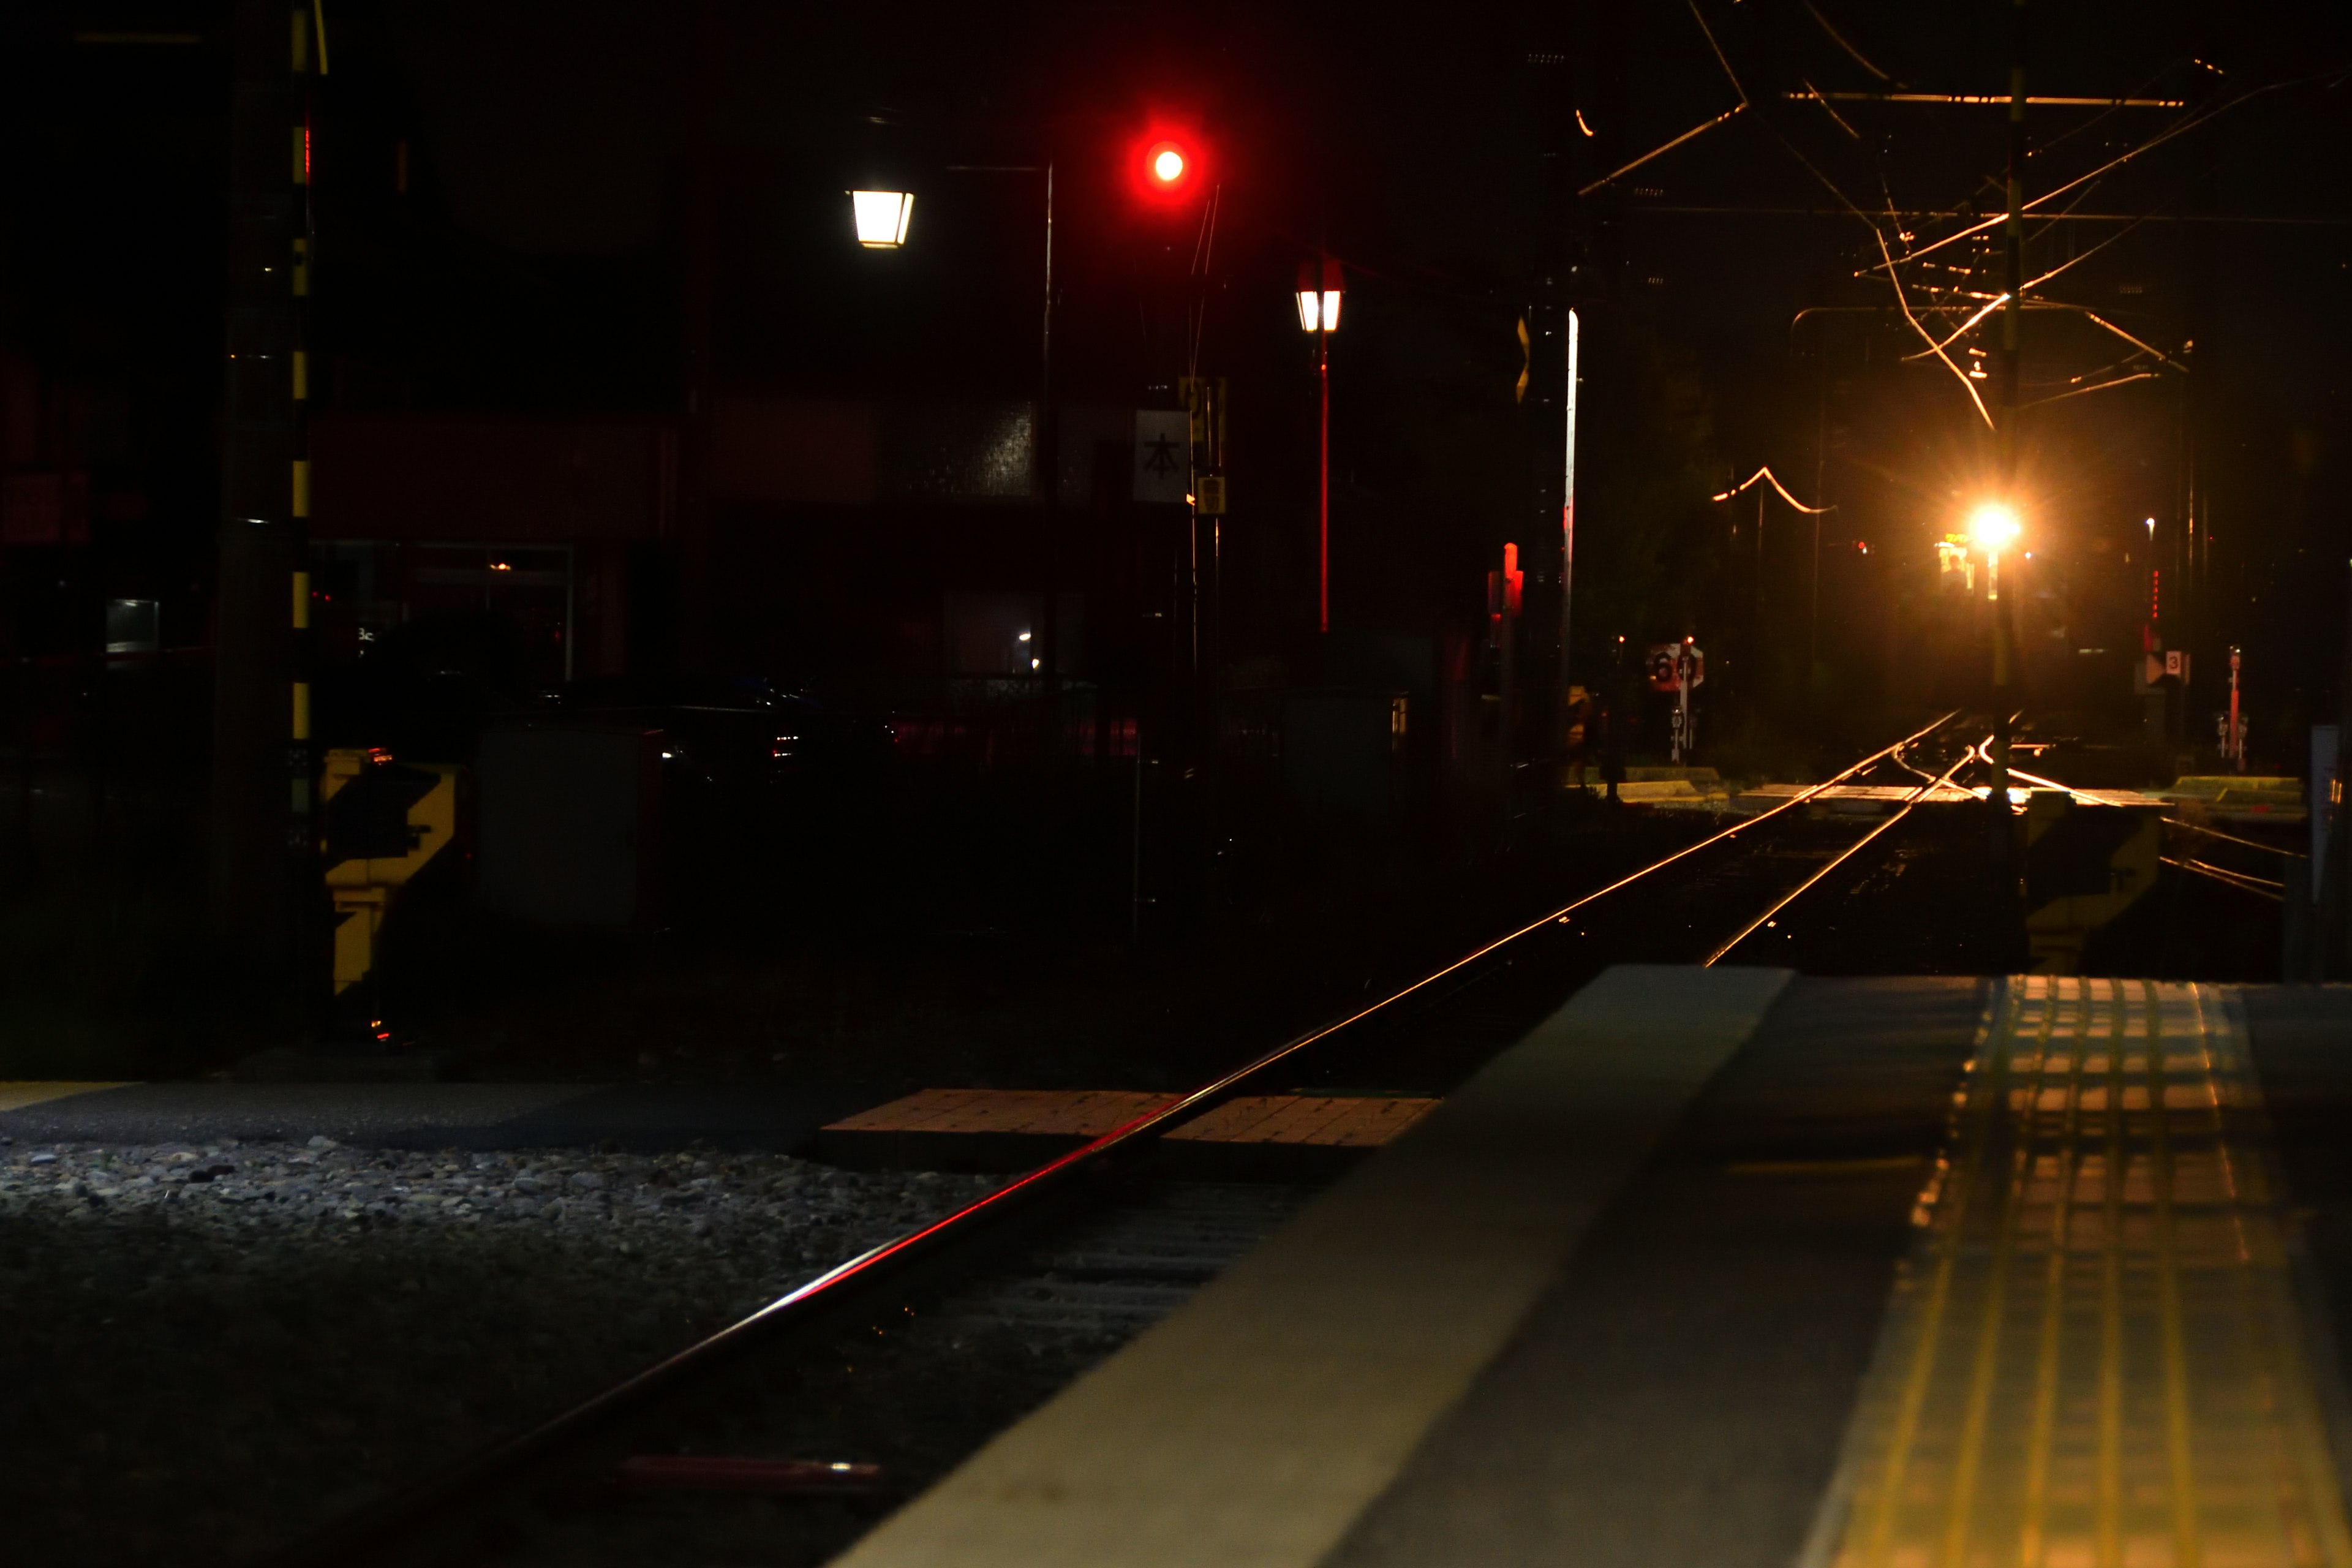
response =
{"points": [[1165, 164]]}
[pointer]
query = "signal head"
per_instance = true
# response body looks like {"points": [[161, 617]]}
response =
{"points": [[1165, 164]]}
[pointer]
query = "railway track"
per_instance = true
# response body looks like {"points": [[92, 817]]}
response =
{"points": [[782, 1436]]}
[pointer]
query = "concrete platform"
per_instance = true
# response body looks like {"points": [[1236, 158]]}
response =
{"points": [[1722, 1267]]}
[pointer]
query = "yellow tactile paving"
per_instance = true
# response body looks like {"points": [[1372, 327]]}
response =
{"points": [[2095, 1358], [1339, 1120], [14, 1095]]}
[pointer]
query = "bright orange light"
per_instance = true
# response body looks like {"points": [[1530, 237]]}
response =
{"points": [[1167, 163], [1993, 527]]}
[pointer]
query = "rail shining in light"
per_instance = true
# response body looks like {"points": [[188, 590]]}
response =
{"points": [[882, 217], [1993, 527]]}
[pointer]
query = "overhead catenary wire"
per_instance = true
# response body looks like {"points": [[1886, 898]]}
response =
{"points": [[2085, 390], [2194, 122], [1936, 348], [1766, 476], [1659, 152], [1841, 41]]}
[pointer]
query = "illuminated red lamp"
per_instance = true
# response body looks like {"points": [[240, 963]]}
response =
{"points": [[1166, 166]]}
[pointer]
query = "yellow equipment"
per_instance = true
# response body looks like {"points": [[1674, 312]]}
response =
{"points": [[2084, 865], [384, 821]]}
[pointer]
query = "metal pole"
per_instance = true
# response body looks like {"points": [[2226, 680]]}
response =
{"points": [[1757, 653], [1567, 516], [2237, 733], [1048, 500], [1323, 480], [257, 845], [1821, 500], [2011, 316], [1135, 847]]}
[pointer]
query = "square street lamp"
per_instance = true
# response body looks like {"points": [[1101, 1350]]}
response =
{"points": [[1318, 309], [882, 217]]}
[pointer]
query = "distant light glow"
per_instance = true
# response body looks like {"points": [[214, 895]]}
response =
{"points": [[1993, 526], [1167, 163], [882, 217], [1024, 637]]}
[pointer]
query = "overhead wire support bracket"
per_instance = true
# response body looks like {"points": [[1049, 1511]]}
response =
{"points": [[1983, 100]]}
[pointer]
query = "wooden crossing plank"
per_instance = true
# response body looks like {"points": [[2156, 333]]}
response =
{"points": [[1355, 1121]]}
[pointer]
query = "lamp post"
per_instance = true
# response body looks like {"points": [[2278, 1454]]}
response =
{"points": [[881, 219], [1318, 313], [1993, 526]]}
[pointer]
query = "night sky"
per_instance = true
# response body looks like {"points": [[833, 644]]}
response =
{"points": [[561, 158]]}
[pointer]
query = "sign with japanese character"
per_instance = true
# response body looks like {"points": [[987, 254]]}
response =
{"points": [[1163, 456]]}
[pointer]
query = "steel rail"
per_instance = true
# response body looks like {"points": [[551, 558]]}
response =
{"points": [[1851, 850], [2260, 886], [382, 1525], [2098, 799]]}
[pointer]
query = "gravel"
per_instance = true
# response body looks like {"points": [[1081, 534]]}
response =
{"points": [[206, 1347]]}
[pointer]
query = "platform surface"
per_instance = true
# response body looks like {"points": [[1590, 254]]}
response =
{"points": [[1259, 1424], [1722, 1268]]}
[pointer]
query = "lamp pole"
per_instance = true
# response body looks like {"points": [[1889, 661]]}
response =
{"points": [[2011, 318], [1568, 511], [1323, 482], [882, 219], [1320, 294]]}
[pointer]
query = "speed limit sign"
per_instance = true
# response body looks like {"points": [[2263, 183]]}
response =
{"points": [[1667, 661]]}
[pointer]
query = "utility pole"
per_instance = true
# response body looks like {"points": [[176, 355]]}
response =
{"points": [[1567, 515], [2011, 317], [1538, 730], [263, 838]]}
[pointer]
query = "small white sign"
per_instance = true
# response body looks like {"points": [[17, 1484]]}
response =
{"points": [[1163, 455]]}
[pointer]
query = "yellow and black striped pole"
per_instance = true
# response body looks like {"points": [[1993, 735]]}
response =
{"points": [[265, 882], [312, 942]]}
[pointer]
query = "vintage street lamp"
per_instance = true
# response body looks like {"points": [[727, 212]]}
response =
{"points": [[1319, 313], [881, 218]]}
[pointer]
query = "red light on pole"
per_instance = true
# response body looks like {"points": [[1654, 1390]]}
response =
{"points": [[1165, 164]]}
